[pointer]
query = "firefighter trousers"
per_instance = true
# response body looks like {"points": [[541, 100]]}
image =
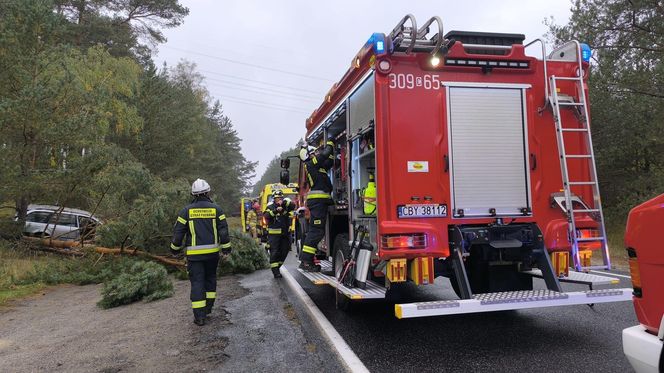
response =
{"points": [[279, 247], [316, 228], [203, 277]]}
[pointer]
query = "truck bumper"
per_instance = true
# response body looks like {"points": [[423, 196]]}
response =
{"points": [[642, 349]]}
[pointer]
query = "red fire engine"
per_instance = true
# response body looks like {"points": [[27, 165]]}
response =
{"points": [[484, 172]]}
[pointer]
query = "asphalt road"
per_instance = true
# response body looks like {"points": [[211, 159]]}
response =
{"points": [[560, 339]]}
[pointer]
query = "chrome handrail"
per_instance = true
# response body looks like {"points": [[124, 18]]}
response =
{"points": [[546, 74]]}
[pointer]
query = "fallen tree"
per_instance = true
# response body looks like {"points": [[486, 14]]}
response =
{"points": [[74, 248]]}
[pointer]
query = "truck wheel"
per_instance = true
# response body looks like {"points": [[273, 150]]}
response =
{"points": [[341, 252]]}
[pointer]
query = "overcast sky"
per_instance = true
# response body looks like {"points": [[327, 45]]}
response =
{"points": [[270, 63]]}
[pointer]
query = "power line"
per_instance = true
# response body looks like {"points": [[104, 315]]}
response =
{"points": [[264, 106], [294, 96], [251, 101], [260, 82], [250, 64]]}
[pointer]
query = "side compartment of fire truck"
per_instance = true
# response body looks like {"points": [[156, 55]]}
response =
{"points": [[452, 158]]}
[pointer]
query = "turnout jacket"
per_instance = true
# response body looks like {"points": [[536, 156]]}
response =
{"points": [[201, 228], [316, 169], [252, 219], [278, 222]]}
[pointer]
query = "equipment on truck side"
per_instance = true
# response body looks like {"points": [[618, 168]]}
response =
{"points": [[480, 160], [369, 196]]}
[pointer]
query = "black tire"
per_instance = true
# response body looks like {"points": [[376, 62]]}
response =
{"points": [[340, 252]]}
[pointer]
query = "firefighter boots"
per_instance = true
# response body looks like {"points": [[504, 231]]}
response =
{"points": [[309, 267], [199, 316]]}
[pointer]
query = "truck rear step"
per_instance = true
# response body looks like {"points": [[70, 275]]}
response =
{"points": [[580, 278], [372, 291], [511, 300]]}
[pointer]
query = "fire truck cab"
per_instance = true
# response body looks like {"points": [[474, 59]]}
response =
{"points": [[483, 169]]}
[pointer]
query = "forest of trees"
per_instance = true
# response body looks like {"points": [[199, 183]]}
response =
{"points": [[271, 174], [87, 120]]}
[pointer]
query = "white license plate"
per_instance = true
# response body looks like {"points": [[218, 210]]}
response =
{"points": [[429, 210]]}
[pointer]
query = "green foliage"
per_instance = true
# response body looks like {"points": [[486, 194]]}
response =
{"points": [[10, 229], [271, 174], [78, 271], [247, 255], [87, 121], [627, 97], [144, 280], [120, 24]]}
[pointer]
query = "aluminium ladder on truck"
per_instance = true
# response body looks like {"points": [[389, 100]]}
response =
{"points": [[559, 102]]}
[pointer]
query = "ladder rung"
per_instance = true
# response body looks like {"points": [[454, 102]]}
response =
{"points": [[590, 239], [595, 267], [585, 210], [570, 104], [578, 156], [581, 183], [566, 78], [574, 129]]}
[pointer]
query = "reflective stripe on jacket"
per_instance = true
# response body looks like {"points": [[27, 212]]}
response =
{"points": [[201, 228], [278, 222]]}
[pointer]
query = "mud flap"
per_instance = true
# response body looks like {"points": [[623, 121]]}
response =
{"points": [[543, 262], [456, 250]]}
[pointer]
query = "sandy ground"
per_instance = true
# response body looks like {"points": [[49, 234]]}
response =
{"points": [[63, 330], [254, 328]]}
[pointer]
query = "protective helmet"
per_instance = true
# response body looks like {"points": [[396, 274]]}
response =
{"points": [[199, 187], [277, 194]]}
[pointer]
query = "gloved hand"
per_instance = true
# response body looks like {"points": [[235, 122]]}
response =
{"points": [[176, 253], [280, 209]]}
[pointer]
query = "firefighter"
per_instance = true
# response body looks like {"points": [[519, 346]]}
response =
{"points": [[252, 221], [278, 214], [201, 226], [316, 166]]}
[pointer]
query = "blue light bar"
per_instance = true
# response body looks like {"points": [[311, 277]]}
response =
{"points": [[377, 40], [585, 52]]}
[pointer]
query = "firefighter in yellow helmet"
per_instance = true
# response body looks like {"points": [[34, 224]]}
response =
{"points": [[278, 214], [201, 231]]}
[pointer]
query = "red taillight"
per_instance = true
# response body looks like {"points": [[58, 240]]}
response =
{"points": [[411, 241], [634, 272]]}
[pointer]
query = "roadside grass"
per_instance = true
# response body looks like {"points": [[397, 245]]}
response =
{"points": [[616, 236], [234, 222], [24, 272]]}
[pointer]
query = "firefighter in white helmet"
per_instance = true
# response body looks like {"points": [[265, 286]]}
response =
{"points": [[317, 164], [202, 231]]}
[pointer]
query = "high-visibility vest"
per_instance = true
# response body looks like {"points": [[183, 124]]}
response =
{"points": [[369, 197]]}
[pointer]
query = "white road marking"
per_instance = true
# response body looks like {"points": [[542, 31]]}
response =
{"points": [[611, 274], [348, 357]]}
